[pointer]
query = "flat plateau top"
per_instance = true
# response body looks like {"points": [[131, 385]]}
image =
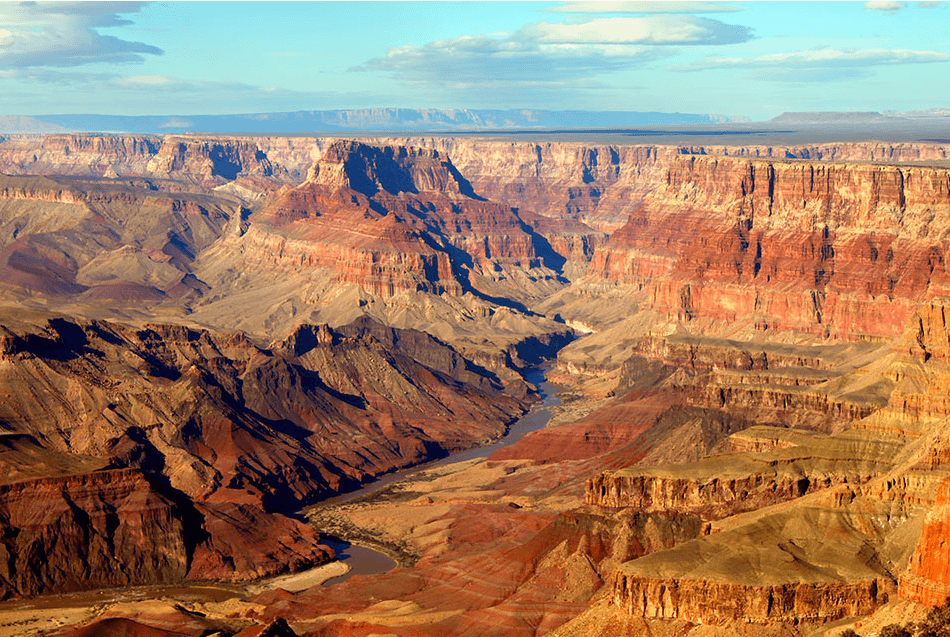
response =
{"points": [[936, 130]]}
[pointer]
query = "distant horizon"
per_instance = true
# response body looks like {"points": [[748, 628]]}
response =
{"points": [[752, 60]]}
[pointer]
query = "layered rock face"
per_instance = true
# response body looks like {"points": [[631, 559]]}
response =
{"points": [[841, 250], [706, 602], [394, 219], [927, 579], [104, 241], [86, 155], [177, 448], [211, 163], [90, 531]]}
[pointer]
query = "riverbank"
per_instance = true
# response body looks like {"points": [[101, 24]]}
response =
{"points": [[419, 492], [302, 580], [403, 488]]}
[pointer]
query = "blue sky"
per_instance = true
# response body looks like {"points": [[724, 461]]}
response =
{"points": [[757, 59]]}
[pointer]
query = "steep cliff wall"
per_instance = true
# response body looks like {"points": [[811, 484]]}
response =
{"points": [[123, 527], [927, 579], [86, 155], [723, 485], [841, 250], [89, 531], [212, 162], [394, 218], [706, 602]]}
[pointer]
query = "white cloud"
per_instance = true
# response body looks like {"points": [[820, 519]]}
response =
{"points": [[644, 30], [64, 34], [146, 80], [821, 59], [643, 7], [884, 6], [546, 54]]}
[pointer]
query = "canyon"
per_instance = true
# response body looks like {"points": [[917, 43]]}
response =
{"points": [[203, 339]]}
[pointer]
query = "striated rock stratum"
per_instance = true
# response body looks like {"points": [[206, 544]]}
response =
{"points": [[202, 339]]}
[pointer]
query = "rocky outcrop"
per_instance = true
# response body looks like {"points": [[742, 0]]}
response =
{"points": [[928, 336], [706, 602], [720, 486], [208, 439], [38, 189], [211, 162], [927, 579], [368, 169], [772, 568], [785, 245], [90, 531], [708, 354], [714, 497], [124, 527], [86, 155], [393, 219]]}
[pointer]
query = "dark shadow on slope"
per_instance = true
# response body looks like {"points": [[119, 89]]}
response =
{"points": [[64, 341], [134, 450], [465, 186], [222, 165], [459, 258], [310, 380]]}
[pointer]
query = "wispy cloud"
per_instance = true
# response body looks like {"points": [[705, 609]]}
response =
{"points": [[66, 34], [885, 6], [817, 59], [643, 8], [42, 75], [146, 80], [29, 89], [546, 53], [650, 30]]}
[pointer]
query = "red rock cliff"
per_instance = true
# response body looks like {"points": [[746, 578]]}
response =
{"points": [[842, 250], [393, 219]]}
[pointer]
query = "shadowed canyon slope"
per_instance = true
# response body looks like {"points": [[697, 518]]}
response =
{"points": [[203, 335], [206, 437]]}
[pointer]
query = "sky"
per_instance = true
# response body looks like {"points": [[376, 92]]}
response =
{"points": [[754, 59]]}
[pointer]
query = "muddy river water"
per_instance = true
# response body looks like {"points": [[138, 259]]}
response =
{"points": [[364, 560], [51, 611]]}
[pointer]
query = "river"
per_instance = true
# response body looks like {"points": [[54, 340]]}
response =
{"points": [[363, 560]]}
